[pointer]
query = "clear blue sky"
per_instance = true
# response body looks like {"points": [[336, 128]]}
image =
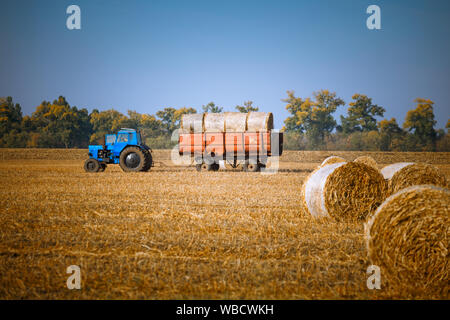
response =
{"points": [[147, 55]]}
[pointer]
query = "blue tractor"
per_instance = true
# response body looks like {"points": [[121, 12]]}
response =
{"points": [[125, 148]]}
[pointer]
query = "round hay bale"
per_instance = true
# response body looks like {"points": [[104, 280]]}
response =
{"points": [[408, 238], [405, 174], [345, 191], [332, 159], [214, 122], [367, 161], [259, 121], [192, 123], [303, 192], [236, 122]]}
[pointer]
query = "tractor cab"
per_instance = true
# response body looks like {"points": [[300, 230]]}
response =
{"points": [[117, 142], [125, 148]]}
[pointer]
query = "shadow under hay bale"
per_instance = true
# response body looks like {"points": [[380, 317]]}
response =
{"points": [[408, 237], [346, 191], [405, 174]]}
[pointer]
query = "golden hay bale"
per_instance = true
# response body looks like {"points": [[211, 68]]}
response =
{"points": [[332, 159], [368, 161], [408, 238], [344, 191], [259, 121], [304, 207], [214, 122], [193, 122], [406, 174], [236, 122]]}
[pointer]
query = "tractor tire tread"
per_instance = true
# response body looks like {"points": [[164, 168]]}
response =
{"points": [[148, 160]]}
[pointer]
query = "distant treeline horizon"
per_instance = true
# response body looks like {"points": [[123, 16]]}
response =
{"points": [[310, 126]]}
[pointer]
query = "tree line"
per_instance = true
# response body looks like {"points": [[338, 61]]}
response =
{"points": [[58, 125], [311, 125]]}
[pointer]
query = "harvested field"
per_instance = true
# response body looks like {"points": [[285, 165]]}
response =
{"points": [[174, 233]]}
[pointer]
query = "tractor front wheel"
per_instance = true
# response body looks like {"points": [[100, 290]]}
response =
{"points": [[92, 165]]}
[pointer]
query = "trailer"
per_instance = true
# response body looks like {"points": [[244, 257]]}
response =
{"points": [[240, 140]]}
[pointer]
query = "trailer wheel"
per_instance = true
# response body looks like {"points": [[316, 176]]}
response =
{"points": [[206, 167], [251, 167], [91, 165]]}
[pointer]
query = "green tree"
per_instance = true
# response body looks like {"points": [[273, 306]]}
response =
{"points": [[170, 117], [443, 142], [247, 107], [390, 134], [420, 122], [15, 139], [60, 125], [167, 117], [361, 115], [11, 133], [314, 116], [293, 140], [293, 123], [10, 116], [150, 126], [133, 120], [364, 141], [212, 108], [105, 122], [82, 129]]}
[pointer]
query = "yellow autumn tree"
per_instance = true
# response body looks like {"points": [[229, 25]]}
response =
{"points": [[420, 122], [312, 116]]}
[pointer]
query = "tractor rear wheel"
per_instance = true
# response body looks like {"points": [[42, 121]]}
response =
{"points": [[148, 160], [134, 159], [91, 165]]}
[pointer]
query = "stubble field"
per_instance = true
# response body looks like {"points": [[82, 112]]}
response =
{"points": [[174, 233]]}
